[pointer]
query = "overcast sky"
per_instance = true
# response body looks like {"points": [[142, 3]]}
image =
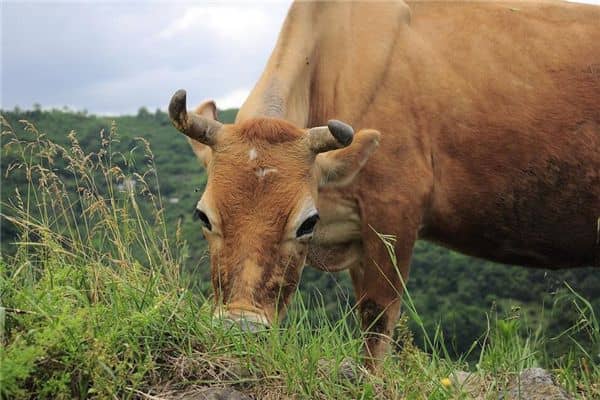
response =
{"points": [[114, 57]]}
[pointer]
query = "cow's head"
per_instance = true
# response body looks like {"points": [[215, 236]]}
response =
{"points": [[259, 208]]}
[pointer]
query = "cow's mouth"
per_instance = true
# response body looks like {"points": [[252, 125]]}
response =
{"points": [[248, 319]]}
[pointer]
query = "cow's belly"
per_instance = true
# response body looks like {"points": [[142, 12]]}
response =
{"points": [[545, 217], [510, 249], [336, 245]]}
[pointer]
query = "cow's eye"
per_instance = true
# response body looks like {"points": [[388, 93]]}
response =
{"points": [[202, 217], [308, 226]]}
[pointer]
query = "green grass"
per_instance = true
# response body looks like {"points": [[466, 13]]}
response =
{"points": [[94, 305]]}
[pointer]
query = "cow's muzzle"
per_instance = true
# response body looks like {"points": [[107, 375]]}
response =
{"points": [[247, 321]]}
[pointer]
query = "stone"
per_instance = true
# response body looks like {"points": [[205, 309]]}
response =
{"points": [[351, 370], [348, 369], [468, 383], [535, 384], [226, 393], [460, 378]]}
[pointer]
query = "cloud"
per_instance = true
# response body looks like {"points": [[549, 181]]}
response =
{"points": [[108, 57], [153, 88], [226, 22], [233, 99]]}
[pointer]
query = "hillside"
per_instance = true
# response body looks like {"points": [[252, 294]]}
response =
{"points": [[455, 296]]}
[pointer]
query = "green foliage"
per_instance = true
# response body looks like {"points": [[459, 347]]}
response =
{"points": [[457, 292], [228, 116], [87, 329], [510, 350], [96, 307], [86, 257]]}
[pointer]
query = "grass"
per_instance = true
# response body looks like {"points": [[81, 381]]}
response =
{"points": [[94, 305]]}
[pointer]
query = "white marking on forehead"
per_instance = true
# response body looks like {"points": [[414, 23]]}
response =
{"points": [[262, 172], [252, 154]]}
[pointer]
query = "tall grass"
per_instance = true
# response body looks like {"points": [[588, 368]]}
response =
{"points": [[93, 304]]}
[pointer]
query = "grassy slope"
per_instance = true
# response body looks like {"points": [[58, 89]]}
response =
{"points": [[95, 305]]}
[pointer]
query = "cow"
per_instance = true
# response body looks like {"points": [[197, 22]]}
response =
{"points": [[477, 127]]}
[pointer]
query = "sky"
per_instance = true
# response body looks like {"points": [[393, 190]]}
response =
{"points": [[111, 57], [114, 57]]}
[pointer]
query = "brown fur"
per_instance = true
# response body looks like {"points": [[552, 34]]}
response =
{"points": [[490, 122], [272, 131]]}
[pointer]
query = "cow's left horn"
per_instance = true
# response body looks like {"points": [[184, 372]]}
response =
{"points": [[333, 136], [204, 130]]}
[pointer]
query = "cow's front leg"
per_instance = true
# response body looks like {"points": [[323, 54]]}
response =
{"points": [[378, 283], [379, 314]]}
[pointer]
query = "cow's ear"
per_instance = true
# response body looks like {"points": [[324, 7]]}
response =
{"points": [[208, 109], [340, 167]]}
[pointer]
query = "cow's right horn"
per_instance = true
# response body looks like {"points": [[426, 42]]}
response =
{"points": [[202, 129], [333, 136]]}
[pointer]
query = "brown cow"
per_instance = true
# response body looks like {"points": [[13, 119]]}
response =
{"points": [[490, 144]]}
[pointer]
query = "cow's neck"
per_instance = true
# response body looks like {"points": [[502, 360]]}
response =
{"points": [[329, 62], [283, 89]]}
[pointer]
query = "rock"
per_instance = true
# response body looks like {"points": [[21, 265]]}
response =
{"points": [[531, 384], [468, 383], [535, 384], [215, 394], [460, 378], [351, 370], [348, 369]]}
